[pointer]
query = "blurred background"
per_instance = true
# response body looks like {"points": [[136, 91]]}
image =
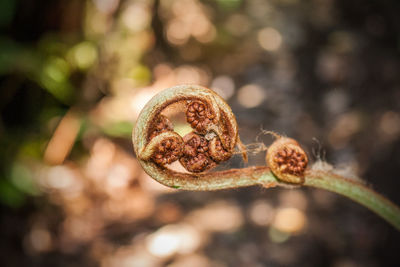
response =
{"points": [[75, 74]]}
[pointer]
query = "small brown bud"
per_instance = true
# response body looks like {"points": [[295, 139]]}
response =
{"points": [[160, 125], [287, 160], [199, 116], [217, 152], [195, 156], [168, 151]]}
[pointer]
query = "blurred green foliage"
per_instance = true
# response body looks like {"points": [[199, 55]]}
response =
{"points": [[7, 9]]}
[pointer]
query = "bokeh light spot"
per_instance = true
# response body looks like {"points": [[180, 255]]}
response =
{"points": [[390, 123], [251, 96], [289, 220], [40, 240], [278, 236], [171, 239], [269, 39], [84, 54], [221, 216], [261, 213], [224, 86]]}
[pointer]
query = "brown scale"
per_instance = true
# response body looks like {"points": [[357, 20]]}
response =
{"points": [[217, 151], [198, 116], [195, 153], [160, 125], [291, 162], [168, 151]]}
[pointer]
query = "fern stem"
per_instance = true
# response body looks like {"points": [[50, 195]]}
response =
{"points": [[357, 192], [350, 188]]}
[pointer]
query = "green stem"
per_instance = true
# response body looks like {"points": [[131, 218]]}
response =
{"points": [[357, 192], [350, 188]]}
